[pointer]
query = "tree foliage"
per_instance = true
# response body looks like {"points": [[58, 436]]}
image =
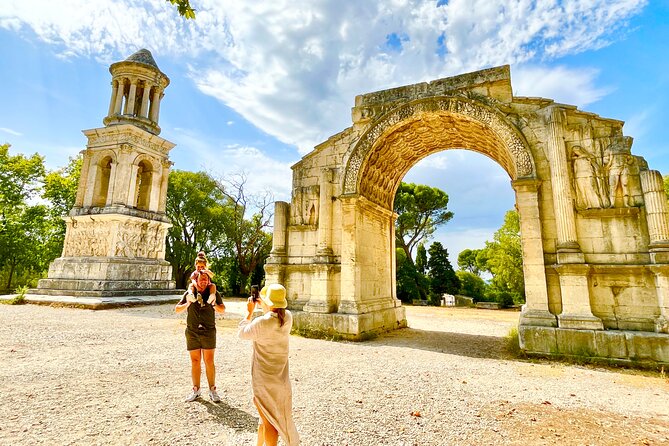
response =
{"points": [[421, 209], [471, 285], [505, 258], [440, 272], [411, 285], [666, 185], [467, 261], [197, 209], [31, 235], [184, 8], [248, 239], [421, 259]]}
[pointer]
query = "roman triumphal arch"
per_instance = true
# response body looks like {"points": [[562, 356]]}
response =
{"points": [[594, 218]]}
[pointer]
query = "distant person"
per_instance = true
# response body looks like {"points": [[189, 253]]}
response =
{"points": [[272, 393], [201, 332]]}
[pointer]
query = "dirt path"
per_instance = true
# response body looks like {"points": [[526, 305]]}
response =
{"points": [[118, 377]]}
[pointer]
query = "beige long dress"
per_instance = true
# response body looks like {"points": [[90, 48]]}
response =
{"points": [[272, 392]]}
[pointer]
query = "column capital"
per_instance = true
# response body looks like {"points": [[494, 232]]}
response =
{"points": [[526, 184]]}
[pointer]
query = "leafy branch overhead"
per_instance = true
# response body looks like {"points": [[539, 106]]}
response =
{"points": [[184, 8]]}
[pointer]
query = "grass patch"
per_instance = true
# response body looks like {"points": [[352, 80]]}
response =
{"points": [[20, 297], [512, 344]]}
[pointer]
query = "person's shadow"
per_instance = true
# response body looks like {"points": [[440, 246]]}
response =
{"points": [[231, 417]]}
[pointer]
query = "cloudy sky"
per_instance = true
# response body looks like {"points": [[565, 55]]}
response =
{"points": [[255, 85]]}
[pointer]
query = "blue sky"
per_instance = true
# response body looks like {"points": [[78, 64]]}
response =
{"points": [[255, 85]]}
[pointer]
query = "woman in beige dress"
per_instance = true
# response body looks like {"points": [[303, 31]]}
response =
{"points": [[272, 394]]}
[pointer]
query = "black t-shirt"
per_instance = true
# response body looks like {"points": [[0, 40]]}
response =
{"points": [[199, 315]]}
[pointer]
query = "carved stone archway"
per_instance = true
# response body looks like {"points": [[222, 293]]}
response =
{"points": [[594, 219]]}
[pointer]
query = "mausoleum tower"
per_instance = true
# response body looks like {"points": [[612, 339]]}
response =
{"points": [[115, 238]]}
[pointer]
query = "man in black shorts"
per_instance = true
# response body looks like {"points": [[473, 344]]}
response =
{"points": [[201, 333]]}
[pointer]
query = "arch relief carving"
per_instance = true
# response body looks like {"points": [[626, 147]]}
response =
{"points": [[521, 163]]}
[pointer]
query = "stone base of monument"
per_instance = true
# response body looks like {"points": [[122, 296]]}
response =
{"points": [[107, 277], [97, 303], [354, 327], [620, 346]]}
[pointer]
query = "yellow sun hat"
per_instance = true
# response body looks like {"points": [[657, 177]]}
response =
{"points": [[274, 295]]}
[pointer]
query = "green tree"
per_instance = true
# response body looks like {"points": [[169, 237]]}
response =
{"points": [[471, 285], [197, 210], [23, 228], [60, 190], [421, 258], [666, 185], [441, 274], [411, 285], [505, 258], [248, 240], [467, 261], [421, 209]]}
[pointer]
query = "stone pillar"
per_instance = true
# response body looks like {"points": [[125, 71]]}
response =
{"points": [[130, 105], [112, 184], [568, 250], [163, 185], [325, 214], [119, 96], [657, 215], [146, 93], [155, 105], [83, 178], [393, 258], [275, 264], [576, 311], [89, 180], [535, 312], [350, 271], [112, 101], [156, 183], [662, 286], [132, 189]]}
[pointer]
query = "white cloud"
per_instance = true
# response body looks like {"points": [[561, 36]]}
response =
{"points": [[546, 82], [293, 68], [10, 131], [262, 172]]}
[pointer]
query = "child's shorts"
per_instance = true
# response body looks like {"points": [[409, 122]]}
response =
{"points": [[200, 338]]}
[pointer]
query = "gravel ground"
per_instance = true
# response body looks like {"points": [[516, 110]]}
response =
{"points": [[118, 377]]}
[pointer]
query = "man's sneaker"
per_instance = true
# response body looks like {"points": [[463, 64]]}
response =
{"points": [[213, 395], [195, 394]]}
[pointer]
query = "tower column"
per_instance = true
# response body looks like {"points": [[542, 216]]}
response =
{"points": [[155, 104], [130, 108], [146, 94], [112, 101], [120, 91]]}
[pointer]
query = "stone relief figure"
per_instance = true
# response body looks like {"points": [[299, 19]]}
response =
{"points": [[622, 170], [586, 176]]}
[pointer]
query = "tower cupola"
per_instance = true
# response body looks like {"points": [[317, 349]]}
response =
{"points": [[138, 86]]}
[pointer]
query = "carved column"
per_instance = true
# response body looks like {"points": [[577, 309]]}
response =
{"points": [[350, 271], [131, 200], [657, 215], [89, 180], [83, 178], [156, 183], [567, 242], [146, 93], [535, 312], [119, 96], [112, 184], [163, 185], [155, 105], [576, 311], [325, 214], [112, 101], [275, 264], [130, 105], [662, 286]]}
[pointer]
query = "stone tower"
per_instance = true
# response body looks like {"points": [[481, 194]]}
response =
{"points": [[115, 237]]}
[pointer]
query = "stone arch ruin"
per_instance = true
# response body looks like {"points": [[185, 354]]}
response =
{"points": [[594, 218]]}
